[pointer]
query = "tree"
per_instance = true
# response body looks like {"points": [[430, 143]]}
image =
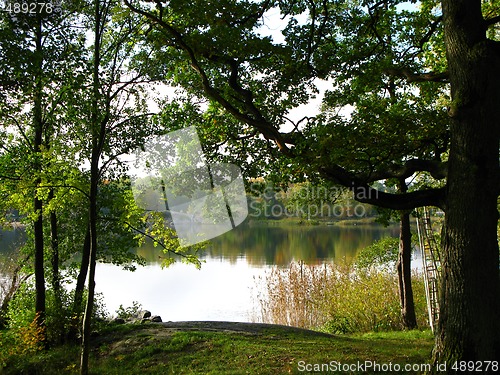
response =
{"points": [[375, 52], [35, 48], [468, 327], [114, 121], [43, 146], [111, 92]]}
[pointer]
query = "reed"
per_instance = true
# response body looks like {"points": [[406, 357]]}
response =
{"points": [[336, 298]]}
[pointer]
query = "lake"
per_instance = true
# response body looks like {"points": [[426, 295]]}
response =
{"points": [[225, 286]]}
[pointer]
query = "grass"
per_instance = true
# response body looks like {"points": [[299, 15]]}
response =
{"points": [[154, 349]]}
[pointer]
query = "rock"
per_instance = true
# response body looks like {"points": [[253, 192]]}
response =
{"points": [[143, 314], [119, 320], [156, 319]]}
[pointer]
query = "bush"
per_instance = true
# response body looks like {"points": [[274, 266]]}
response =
{"points": [[22, 341], [23, 337], [21, 311], [130, 311], [337, 298], [360, 301], [382, 253]]}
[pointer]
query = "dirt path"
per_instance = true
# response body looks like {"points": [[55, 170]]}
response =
{"points": [[236, 327]]}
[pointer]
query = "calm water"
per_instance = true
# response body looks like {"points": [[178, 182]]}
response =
{"points": [[225, 287]]}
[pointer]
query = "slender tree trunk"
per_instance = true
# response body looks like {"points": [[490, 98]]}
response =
{"points": [[403, 267], [404, 273], [87, 319], [37, 202], [39, 264], [98, 133], [56, 277], [82, 275], [54, 244], [79, 289], [469, 324]]}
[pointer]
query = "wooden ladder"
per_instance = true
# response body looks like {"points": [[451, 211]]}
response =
{"points": [[431, 265]]}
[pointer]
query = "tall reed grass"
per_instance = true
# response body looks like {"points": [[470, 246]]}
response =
{"points": [[336, 298]]}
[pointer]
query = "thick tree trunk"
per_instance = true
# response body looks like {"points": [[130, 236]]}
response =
{"points": [[469, 324], [403, 267], [404, 273]]}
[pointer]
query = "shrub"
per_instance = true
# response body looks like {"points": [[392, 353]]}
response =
{"points": [[21, 311], [21, 341], [130, 311], [382, 253]]}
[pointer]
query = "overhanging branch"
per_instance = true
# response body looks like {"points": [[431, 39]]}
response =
{"points": [[418, 77], [437, 169], [254, 117], [491, 21], [406, 201], [366, 194]]}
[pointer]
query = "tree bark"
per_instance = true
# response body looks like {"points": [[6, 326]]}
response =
{"points": [[469, 325]]}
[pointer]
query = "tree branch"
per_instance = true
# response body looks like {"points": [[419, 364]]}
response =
{"points": [[406, 201], [418, 77], [259, 122], [437, 169], [365, 194], [175, 252], [431, 31], [491, 21]]}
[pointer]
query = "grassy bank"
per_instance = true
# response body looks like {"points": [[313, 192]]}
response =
{"points": [[206, 349]]}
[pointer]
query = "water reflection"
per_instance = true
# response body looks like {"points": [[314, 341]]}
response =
{"points": [[11, 240], [277, 244], [224, 287]]}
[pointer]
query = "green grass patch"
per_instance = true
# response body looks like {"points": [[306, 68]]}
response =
{"points": [[154, 349]]}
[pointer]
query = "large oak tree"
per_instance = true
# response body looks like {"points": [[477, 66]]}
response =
{"points": [[423, 82]]}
